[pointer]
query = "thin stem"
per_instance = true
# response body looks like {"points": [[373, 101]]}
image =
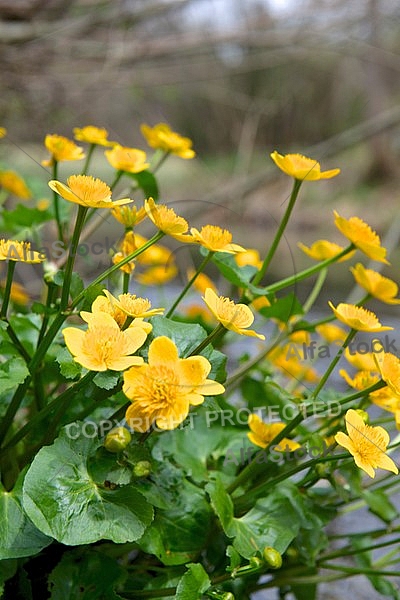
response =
{"points": [[125, 283], [116, 180], [219, 330], [51, 292], [69, 267], [349, 551], [315, 291], [7, 290], [156, 162], [293, 197], [56, 201], [187, 287], [14, 338], [88, 158]]}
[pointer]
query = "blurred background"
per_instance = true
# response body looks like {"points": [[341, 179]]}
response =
{"points": [[239, 77]]}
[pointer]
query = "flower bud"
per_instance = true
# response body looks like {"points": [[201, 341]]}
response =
{"points": [[117, 439], [142, 468], [363, 414], [255, 562], [272, 557]]}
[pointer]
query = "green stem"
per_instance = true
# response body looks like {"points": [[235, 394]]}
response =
{"points": [[56, 201], [333, 364], [156, 162], [315, 291], [293, 197], [116, 180], [69, 267], [187, 287], [88, 159], [219, 330], [125, 284], [15, 340], [350, 551], [360, 570], [51, 293], [7, 289]]}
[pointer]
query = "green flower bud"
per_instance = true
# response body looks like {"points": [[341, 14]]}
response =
{"points": [[117, 439], [142, 468], [363, 414], [255, 562], [272, 557]]}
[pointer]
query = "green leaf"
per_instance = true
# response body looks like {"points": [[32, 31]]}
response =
{"points": [[63, 500], [87, 575], [13, 372], [106, 380], [185, 336], [239, 276], [193, 583], [380, 505], [24, 217], [305, 592], [382, 585], [283, 308], [147, 182], [18, 536], [68, 367]]}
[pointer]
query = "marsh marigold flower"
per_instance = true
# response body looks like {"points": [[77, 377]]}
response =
{"points": [[103, 345], [236, 317], [86, 191], [161, 137], [202, 281], [103, 304], [331, 333], [3, 132], [131, 160], [261, 434], [362, 236], [215, 239], [158, 275], [249, 257], [323, 250], [19, 252], [13, 183], [167, 221], [18, 293], [61, 148], [382, 288], [163, 390], [389, 368], [361, 380], [302, 168], [156, 254], [133, 306], [367, 444], [129, 216], [362, 362], [93, 135], [127, 247], [358, 318]]}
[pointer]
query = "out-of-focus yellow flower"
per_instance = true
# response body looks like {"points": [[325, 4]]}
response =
{"points": [[3, 132], [361, 362], [389, 368], [215, 239], [167, 221], [161, 137], [331, 333], [386, 399], [129, 216], [367, 444], [361, 380], [158, 275], [133, 306], [197, 311], [61, 148], [93, 135], [323, 250], [202, 281], [13, 183], [163, 390], [157, 254], [261, 434], [43, 204], [288, 360], [103, 345], [18, 293], [249, 257], [362, 236], [19, 252], [131, 160], [236, 317], [302, 168], [382, 288], [358, 317], [86, 191], [126, 248], [260, 302]]}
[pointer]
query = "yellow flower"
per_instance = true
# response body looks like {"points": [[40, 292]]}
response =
{"points": [[361, 380], [377, 285], [358, 317], [162, 391], [260, 302], [362, 362], [14, 184], [18, 293], [367, 444], [288, 360], [103, 304], [19, 252], [202, 281], [155, 255], [86, 191], [389, 368], [362, 236], [161, 137], [301, 167], [249, 257], [167, 221], [93, 135], [331, 333], [236, 317], [158, 275], [129, 216], [126, 159], [133, 306], [215, 239], [262, 434], [43, 204], [103, 345], [198, 312], [3, 132], [61, 148], [323, 249], [127, 246]]}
